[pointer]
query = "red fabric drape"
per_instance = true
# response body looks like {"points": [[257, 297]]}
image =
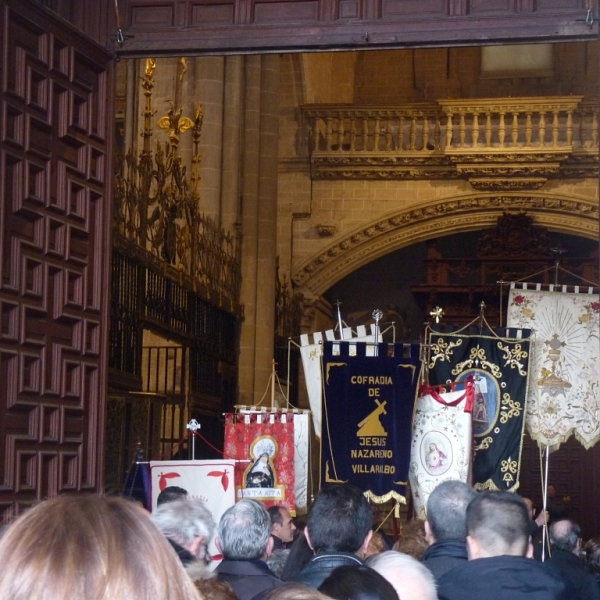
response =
{"points": [[245, 435]]}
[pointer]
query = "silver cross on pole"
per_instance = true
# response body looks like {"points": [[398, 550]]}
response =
{"points": [[377, 315], [193, 426]]}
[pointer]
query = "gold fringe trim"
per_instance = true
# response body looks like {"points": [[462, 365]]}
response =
{"points": [[490, 485], [369, 495]]}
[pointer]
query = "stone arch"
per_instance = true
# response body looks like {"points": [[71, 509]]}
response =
{"points": [[453, 215]]}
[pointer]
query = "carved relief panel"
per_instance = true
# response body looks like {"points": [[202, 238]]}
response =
{"points": [[54, 250]]}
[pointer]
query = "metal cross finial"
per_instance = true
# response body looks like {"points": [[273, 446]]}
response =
{"points": [[193, 425], [377, 314], [437, 313], [558, 251]]}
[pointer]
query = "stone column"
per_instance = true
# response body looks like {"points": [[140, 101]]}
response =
{"points": [[259, 224], [208, 91], [233, 121]]}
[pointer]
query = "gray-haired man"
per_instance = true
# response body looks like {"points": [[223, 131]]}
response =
{"points": [[244, 538]]}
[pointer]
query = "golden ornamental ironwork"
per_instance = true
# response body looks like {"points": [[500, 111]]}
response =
{"points": [[157, 207]]}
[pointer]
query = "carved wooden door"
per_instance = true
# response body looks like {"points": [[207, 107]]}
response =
{"points": [[54, 255]]}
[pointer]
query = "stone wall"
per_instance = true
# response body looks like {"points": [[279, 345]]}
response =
{"points": [[317, 218]]}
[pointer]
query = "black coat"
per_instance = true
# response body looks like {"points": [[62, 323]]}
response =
{"points": [[572, 568], [248, 578], [441, 557], [504, 578], [321, 566]]}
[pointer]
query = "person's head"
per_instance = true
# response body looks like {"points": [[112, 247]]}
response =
{"points": [[276, 562], [376, 545], [188, 523], [447, 510], [357, 582], [80, 546], [244, 532], [551, 491], [565, 535], [412, 539], [212, 588], [340, 520], [497, 524], [592, 554], [295, 591], [282, 525], [171, 493], [411, 579]]}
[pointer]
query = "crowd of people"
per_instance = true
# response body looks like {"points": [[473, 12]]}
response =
{"points": [[471, 546]]}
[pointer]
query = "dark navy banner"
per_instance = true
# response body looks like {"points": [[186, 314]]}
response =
{"points": [[500, 370], [368, 407]]}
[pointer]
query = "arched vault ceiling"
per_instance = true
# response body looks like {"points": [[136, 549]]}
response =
{"points": [[453, 215]]}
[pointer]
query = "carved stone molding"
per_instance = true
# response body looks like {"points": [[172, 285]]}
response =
{"points": [[520, 170], [385, 173], [325, 231], [497, 184], [321, 271], [378, 161]]}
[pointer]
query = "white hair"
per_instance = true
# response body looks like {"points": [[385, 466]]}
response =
{"points": [[184, 520], [411, 579]]}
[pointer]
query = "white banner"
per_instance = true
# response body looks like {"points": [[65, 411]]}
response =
{"points": [[441, 446], [209, 480], [311, 354], [564, 386], [301, 458]]}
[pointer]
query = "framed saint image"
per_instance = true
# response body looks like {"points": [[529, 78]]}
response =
{"points": [[436, 453], [260, 478], [486, 404]]}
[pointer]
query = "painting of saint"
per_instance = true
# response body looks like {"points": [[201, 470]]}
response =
{"points": [[480, 411], [261, 473], [435, 458]]}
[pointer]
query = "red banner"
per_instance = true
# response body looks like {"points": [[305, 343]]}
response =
{"points": [[263, 445]]}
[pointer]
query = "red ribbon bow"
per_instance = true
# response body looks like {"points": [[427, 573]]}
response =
{"points": [[469, 394]]}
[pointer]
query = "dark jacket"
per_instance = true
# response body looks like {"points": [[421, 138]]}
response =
{"points": [[441, 557], [321, 566], [572, 568], [248, 578], [279, 544], [504, 578]]}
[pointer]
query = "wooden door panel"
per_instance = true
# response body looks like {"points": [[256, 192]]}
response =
{"points": [[54, 256], [189, 27]]}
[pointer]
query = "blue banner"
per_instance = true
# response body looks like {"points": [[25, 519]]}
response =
{"points": [[367, 416]]}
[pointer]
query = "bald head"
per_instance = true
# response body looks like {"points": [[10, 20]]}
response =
{"points": [[565, 535], [411, 579]]}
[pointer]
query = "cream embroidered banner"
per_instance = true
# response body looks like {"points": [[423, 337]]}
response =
{"points": [[564, 387], [311, 354], [441, 445]]}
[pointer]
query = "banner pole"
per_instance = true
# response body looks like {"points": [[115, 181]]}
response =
{"points": [[545, 492]]}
